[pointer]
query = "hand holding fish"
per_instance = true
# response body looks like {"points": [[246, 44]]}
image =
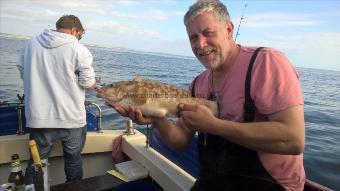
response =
{"points": [[133, 113], [196, 117]]}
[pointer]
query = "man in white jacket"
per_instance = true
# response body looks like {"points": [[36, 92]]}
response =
{"points": [[56, 70]]}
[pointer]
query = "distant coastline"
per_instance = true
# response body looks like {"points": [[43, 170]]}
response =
{"points": [[126, 50], [14, 36], [118, 49]]}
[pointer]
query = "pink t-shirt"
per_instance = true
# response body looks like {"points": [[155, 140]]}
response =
{"points": [[274, 87]]}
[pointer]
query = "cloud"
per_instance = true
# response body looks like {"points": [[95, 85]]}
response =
{"points": [[330, 14], [49, 16], [40, 5], [85, 6], [179, 13], [304, 49], [326, 41], [127, 2], [297, 41], [155, 15], [44, 11], [278, 19], [115, 28]]}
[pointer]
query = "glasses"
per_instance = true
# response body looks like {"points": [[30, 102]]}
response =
{"points": [[80, 34]]}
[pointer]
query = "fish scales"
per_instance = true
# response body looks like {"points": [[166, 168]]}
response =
{"points": [[154, 98]]}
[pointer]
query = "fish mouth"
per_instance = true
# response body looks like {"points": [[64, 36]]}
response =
{"points": [[100, 93]]}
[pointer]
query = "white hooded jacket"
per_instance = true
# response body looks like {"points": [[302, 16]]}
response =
{"points": [[55, 69]]}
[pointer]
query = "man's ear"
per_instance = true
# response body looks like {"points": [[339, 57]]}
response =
{"points": [[73, 31], [230, 30]]}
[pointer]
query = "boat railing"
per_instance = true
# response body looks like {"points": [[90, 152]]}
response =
{"points": [[13, 121], [92, 117], [129, 128], [12, 117]]}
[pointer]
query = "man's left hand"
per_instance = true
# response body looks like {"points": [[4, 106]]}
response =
{"points": [[196, 117]]}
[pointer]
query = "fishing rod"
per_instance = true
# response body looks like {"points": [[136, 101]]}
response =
{"points": [[242, 17]]}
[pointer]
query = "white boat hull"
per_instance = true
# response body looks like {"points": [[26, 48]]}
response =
{"points": [[97, 159]]}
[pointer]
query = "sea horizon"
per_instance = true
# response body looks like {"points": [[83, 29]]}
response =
{"points": [[123, 49]]}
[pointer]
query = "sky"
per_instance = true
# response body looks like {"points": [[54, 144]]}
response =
{"points": [[307, 31]]}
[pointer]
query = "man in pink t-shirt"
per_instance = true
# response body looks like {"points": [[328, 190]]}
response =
{"points": [[261, 150], [275, 87]]}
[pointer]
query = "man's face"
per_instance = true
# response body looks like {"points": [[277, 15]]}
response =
{"points": [[210, 40]]}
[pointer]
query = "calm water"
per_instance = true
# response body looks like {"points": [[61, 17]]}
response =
{"points": [[321, 92]]}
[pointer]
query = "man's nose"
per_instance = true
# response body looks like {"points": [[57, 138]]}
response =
{"points": [[201, 42]]}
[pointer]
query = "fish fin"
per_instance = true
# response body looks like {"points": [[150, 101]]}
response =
{"points": [[153, 112], [138, 79]]}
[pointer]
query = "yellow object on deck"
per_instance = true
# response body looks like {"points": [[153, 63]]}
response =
{"points": [[118, 175], [34, 152]]}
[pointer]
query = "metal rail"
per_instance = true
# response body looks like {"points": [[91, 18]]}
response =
{"points": [[96, 106], [19, 106], [20, 120], [129, 128]]}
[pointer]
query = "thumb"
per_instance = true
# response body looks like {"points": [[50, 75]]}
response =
{"points": [[187, 107]]}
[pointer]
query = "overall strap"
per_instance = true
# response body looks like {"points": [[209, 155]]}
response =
{"points": [[249, 106], [193, 87]]}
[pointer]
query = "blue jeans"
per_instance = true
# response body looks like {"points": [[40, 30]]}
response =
{"points": [[72, 140]]}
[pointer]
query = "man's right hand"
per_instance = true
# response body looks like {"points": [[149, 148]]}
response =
{"points": [[134, 114], [92, 87], [174, 134]]}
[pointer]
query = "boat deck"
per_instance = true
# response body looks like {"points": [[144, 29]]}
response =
{"points": [[102, 182]]}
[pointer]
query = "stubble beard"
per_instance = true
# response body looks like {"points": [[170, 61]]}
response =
{"points": [[214, 63]]}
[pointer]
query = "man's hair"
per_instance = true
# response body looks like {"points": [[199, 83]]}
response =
{"points": [[68, 22], [202, 6]]}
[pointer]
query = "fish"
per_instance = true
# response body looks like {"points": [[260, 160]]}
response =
{"points": [[154, 98]]}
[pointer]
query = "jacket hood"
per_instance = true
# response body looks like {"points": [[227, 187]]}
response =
{"points": [[52, 39]]}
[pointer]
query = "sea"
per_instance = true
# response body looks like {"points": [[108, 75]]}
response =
{"points": [[321, 90]]}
